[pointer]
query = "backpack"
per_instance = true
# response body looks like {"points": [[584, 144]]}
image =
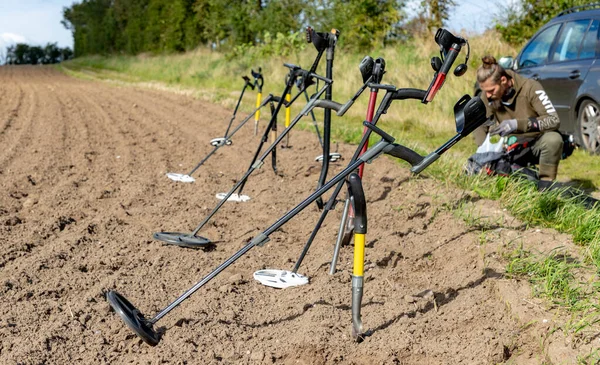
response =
{"points": [[510, 156]]}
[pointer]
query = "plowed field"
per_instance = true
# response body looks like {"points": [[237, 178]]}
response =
{"points": [[83, 188]]}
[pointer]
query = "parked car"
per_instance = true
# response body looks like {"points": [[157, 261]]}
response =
{"points": [[564, 56]]}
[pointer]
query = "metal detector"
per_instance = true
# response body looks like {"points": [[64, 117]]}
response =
{"points": [[368, 74], [451, 50], [226, 139], [473, 115], [191, 240], [334, 156], [326, 41], [238, 196]]}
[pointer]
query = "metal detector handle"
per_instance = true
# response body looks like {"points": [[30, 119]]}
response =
{"points": [[319, 77], [385, 87], [450, 57], [248, 83], [426, 161], [291, 66], [440, 76], [326, 104], [344, 108], [360, 203], [405, 153], [258, 78]]}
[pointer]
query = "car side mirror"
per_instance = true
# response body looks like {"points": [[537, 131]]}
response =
{"points": [[507, 62]]}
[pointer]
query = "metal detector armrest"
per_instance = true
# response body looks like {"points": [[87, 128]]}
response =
{"points": [[327, 104], [470, 113], [405, 153]]}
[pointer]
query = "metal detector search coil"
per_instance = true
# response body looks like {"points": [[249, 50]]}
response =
{"points": [[235, 197], [180, 177], [280, 279]]}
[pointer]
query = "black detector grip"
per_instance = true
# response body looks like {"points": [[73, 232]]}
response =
{"points": [[327, 104], [360, 203], [405, 153]]}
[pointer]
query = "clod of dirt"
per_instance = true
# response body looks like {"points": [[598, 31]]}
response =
{"points": [[30, 202], [92, 228], [13, 221], [236, 279], [18, 194], [62, 222]]}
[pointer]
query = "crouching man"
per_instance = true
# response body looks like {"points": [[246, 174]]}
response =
{"points": [[519, 106]]}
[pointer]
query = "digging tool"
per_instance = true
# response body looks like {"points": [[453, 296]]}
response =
{"points": [[360, 223], [258, 82]]}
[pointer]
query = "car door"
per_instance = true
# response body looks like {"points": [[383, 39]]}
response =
{"points": [[569, 62], [533, 58]]}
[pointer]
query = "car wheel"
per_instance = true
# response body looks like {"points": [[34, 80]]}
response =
{"points": [[589, 126]]}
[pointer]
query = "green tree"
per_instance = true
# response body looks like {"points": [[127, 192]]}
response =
{"points": [[52, 54], [521, 22], [87, 22], [363, 24]]}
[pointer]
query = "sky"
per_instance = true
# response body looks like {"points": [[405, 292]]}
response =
{"points": [[37, 22]]}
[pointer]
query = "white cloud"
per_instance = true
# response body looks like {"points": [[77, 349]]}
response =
{"points": [[8, 39], [36, 20], [11, 38]]}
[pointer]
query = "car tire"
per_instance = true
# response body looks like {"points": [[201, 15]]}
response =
{"points": [[588, 126]]}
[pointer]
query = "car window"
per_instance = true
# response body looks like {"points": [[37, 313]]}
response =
{"points": [[569, 41], [537, 50], [588, 48]]}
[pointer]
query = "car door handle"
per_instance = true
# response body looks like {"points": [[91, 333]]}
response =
{"points": [[574, 74], [535, 77]]}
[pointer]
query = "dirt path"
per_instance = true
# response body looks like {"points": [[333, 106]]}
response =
{"points": [[83, 187]]}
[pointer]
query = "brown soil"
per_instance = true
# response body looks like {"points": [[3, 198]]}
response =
{"points": [[83, 187]]}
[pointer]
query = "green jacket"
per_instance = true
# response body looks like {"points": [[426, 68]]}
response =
{"points": [[528, 103]]}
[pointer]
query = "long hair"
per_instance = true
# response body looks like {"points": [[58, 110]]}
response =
{"points": [[490, 69]]}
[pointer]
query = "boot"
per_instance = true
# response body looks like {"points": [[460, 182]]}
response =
{"points": [[547, 174]]}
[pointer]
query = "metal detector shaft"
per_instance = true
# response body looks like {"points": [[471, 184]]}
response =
{"points": [[338, 242], [228, 136], [259, 163], [326, 120], [237, 105], [432, 157], [314, 120], [263, 237]]}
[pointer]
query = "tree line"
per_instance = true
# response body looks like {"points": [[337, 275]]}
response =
{"points": [[522, 19], [24, 54], [137, 26]]}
